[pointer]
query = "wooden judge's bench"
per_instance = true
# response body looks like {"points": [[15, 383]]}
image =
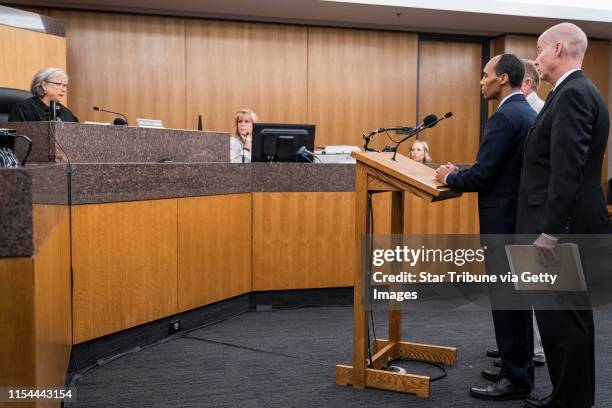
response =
{"points": [[110, 228]]}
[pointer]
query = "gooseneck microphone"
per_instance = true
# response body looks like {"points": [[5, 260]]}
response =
{"points": [[55, 111], [117, 121], [428, 122]]}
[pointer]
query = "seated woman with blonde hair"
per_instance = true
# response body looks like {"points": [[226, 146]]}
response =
{"points": [[419, 151], [48, 85], [242, 138]]}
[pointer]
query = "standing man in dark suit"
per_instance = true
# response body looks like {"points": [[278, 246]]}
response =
{"points": [[560, 193], [495, 177]]}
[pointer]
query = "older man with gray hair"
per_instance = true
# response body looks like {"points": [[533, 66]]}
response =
{"points": [[560, 193], [531, 83]]}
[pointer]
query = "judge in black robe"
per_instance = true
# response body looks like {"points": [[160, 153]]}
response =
{"points": [[35, 110], [49, 84]]}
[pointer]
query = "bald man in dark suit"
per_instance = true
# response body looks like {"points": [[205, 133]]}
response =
{"points": [[560, 193]]}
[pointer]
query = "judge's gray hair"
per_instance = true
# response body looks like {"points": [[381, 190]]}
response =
{"points": [[45, 75]]}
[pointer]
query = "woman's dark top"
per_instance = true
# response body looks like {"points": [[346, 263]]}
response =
{"points": [[35, 110]]}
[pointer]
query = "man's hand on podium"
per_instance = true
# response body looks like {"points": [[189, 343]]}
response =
{"points": [[444, 170]]}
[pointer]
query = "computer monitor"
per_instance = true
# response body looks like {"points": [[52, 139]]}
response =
{"points": [[279, 142]]}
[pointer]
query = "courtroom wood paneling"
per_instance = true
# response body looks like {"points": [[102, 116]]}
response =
{"points": [[53, 306], [35, 313], [16, 321], [303, 240], [124, 265], [457, 216], [358, 81], [449, 77], [44, 218], [126, 63], [214, 249], [596, 66], [24, 52], [232, 65]]}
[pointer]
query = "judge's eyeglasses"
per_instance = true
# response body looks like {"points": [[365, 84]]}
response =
{"points": [[58, 84]]}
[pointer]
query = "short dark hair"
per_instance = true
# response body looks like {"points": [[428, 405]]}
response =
{"points": [[512, 66]]}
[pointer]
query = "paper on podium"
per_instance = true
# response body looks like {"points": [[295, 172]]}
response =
{"points": [[569, 272]]}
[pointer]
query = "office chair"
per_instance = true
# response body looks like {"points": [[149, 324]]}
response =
{"points": [[8, 98]]}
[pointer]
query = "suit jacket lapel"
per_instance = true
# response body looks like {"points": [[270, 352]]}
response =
{"points": [[555, 92], [551, 96]]}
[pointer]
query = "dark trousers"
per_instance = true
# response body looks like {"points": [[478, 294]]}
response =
{"points": [[568, 339], [514, 335], [512, 318]]}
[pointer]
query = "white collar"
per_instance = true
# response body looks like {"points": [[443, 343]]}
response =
{"points": [[508, 96], [568, 73]]}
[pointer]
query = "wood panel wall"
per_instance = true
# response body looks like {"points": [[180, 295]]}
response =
{"points": [[126, 63], [303, 240], [16, 311], [24, 52], [232, 65], [52, 304], [346, 81], [358, 81], [449, 77], [35, 311], [124, 265], [214, 249], [135, 262]]}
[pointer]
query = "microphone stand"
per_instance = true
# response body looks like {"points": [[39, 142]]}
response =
{"points": [[417, 131], [408, 136], [98, 109], [368, 137]]}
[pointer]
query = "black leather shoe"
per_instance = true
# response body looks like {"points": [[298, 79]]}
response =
{"points": [[502, 390], [493, 353], [497, 362], [490, 375], [538, 402], [539, 361]]}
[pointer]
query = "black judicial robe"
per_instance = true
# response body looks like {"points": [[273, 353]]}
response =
{"points": [[34, 110]]}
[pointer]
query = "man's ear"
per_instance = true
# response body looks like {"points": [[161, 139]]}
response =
{"points": [[527, 84], [503, 79], [558, 48]]}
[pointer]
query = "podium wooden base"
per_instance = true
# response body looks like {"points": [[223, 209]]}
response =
{"points": [[376, 173], [375, 377]]}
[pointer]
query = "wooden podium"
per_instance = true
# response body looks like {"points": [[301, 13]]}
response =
{"points": [[376, 173]]}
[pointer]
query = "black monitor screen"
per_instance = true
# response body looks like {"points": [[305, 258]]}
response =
{"points": [[278, 142]]}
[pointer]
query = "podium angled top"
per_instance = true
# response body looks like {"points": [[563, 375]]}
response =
{"points": [[405, 171]]}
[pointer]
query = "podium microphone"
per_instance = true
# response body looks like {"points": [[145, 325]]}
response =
{"points": [[428, 122], [118, 121]]}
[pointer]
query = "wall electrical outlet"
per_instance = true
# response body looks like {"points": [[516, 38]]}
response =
{"points": [[175, 326]]}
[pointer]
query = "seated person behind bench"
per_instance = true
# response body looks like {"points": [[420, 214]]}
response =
{"points": [[49, 84]]}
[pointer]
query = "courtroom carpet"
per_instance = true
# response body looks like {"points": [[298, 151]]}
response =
{"points": [[286, 358]]}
